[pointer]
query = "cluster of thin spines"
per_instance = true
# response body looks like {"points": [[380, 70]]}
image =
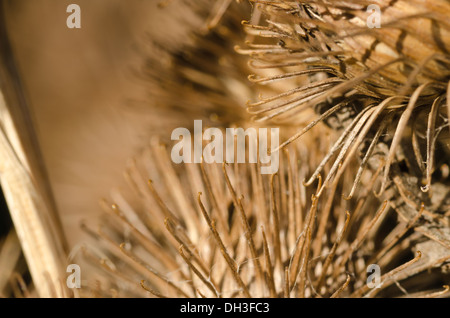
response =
{"points": [[387, 97], [227, 231], [294, 234]]}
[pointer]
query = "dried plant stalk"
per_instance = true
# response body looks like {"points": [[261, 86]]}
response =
{"points": [[24, 183]]}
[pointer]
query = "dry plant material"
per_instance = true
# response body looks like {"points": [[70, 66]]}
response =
{"points": [[384, 89], [312, 229], [229, 246], [26, 186]]}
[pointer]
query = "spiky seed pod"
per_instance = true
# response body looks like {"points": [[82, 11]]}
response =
{"points": [[202, 79], [386, 90], [216, 230], [253, 235]]}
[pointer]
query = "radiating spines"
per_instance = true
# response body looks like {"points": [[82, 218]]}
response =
{"points": [[252, 235], [324, 56]]}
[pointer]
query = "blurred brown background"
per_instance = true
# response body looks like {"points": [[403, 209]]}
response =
{"points": [[81, 89]]}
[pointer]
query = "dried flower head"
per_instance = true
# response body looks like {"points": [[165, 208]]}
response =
{"points": [[385, 89], [370, 189], [208, 230], [211, 230]]}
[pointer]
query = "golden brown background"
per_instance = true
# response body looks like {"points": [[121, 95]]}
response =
{"points": [[83, 92]]}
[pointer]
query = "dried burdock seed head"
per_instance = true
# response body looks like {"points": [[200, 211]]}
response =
{"points": [[385, 89], [225, 230], [369, 191], [204, 79]]}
